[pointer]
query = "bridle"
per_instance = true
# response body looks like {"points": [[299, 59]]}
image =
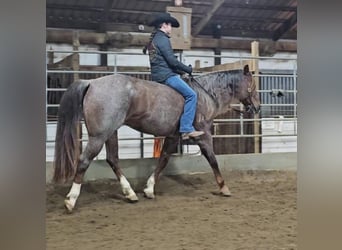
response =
{"points": [[250, 89]]}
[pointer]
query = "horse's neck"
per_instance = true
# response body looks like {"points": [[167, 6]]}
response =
{"points": [[212, 103], [224, 104], [216, 86]]}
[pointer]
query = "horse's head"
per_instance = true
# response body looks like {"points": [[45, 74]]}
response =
{"points": [[246, 92]]}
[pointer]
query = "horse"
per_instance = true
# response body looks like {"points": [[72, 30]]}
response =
{"points": [[108, 102]]}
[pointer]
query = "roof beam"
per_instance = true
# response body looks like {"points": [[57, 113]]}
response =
{"points": [[217, 4], [242, 18], [72, 7], [260, 7], [136, 39], [288, 24], [243, 5], [226, 5], [96, 9], [62, 23]]}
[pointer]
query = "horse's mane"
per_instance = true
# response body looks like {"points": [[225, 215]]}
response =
{"points": [[218, 80]]}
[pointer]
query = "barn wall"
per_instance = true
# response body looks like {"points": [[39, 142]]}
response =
{"points": [[234, 145], [188, 57]]}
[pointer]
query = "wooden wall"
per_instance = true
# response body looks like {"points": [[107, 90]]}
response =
{"points": [[237, 145]]}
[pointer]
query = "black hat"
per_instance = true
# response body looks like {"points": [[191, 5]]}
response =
{"points": [[164, 18]]}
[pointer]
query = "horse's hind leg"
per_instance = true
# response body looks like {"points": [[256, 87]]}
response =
{"points": [[92, 149], [170, 145], [113, 161], [206, 147]]}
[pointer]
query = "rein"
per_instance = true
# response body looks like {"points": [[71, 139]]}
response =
{"points": [[191, 78], [238, 111]]}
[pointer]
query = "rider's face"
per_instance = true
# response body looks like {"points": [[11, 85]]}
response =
{"points": [[167, 28]]}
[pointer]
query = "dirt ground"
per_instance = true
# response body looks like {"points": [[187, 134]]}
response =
{"points": [[186, 214]]}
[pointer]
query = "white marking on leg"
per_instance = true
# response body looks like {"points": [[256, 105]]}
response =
{"points": [[149, 190], [225, 191], [72, 196], [127, 190]]}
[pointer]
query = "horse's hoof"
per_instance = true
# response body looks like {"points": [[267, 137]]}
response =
{"points": [[148, 194], [132, 198], [68, 206], [225, 191]]}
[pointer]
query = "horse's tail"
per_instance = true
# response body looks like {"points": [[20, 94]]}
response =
{"points": [[68, 144]]}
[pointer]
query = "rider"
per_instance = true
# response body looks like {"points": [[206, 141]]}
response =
{"points": [[165, 68]]}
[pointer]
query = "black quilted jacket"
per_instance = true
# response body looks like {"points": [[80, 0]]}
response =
{"points": [[163, 62]]}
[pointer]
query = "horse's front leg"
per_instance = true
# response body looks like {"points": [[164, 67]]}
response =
{"points": [[169, 147], [113, 160], [206, 146]]}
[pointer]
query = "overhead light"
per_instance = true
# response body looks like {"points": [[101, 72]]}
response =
{"points": [[141, 27], [217, 29]]}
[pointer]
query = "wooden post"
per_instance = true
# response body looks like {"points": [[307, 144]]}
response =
{"points": [[217, 52], [197, 64], [104, 57], [255, 66], [75, 57], [181, 37]]}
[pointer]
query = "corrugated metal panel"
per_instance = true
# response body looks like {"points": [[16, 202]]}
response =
{"points": [[278, 91]]}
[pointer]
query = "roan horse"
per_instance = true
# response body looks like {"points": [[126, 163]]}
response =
{"points": [[109, 102]]}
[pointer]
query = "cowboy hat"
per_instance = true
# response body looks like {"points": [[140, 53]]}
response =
{"points": [[164, 18]]}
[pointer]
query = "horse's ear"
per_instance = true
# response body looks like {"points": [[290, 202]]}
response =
{"points": [[245, 69]]}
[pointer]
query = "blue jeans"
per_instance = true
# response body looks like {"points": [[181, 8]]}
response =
{"points": [[190, 104]]}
